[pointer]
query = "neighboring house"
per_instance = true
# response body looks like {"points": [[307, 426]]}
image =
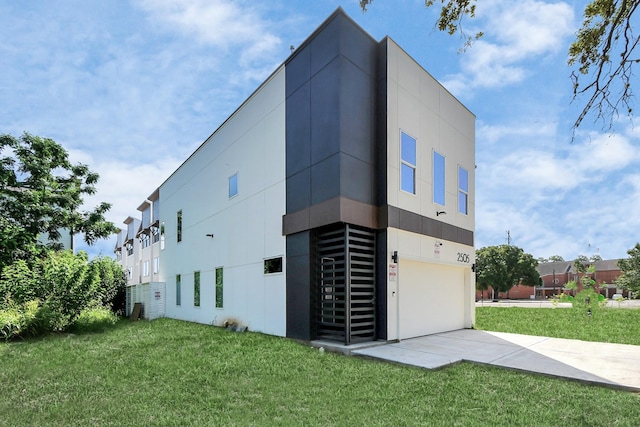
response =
{"points": [[556, 275], [337, 202]]}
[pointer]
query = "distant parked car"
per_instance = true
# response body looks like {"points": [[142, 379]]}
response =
{"points": [[617, 297]]}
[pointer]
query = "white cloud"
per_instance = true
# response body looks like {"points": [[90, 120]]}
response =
{"points": [[228, 25], [514, 33]]}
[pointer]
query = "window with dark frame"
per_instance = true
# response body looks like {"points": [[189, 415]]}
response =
{"points": [[196, 289], [273, 265], [178, 289]]}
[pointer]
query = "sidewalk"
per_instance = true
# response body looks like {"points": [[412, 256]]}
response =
{"points": [[612, 365]]}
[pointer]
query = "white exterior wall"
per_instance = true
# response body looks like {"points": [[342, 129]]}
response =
{"points": [[425, 110], [247, 228]]}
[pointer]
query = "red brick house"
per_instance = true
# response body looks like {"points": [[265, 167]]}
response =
{"points": [[556, 275]]}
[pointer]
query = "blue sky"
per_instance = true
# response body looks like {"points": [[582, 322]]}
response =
{"points": [[131, 88]]}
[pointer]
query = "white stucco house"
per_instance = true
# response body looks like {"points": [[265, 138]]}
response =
{"points": [[337, 202]]}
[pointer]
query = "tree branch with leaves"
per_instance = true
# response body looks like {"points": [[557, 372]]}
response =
{"points": [[604, 51], [41, 193]]}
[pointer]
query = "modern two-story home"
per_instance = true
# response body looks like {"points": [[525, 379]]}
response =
{"points": [[337, 202]]}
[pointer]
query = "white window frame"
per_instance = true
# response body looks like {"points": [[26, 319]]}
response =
{"points": [[233, 179], [462, 191], [406, 163]]}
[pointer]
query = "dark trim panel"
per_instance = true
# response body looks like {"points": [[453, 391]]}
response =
{"points": [[341, 209]]}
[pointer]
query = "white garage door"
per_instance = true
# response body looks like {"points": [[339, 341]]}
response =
{"points": [[431, 298]]}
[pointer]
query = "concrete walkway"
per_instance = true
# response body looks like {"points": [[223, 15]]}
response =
{"points": [[613, 365]]}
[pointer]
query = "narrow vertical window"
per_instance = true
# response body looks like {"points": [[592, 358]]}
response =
{"points": [[156, 265], [178, 289], [407, 163], [161, 235], [463, 191], [219, 288], [233, 185], [145, 268], [438, 178], [179, 226], [196, 289]]}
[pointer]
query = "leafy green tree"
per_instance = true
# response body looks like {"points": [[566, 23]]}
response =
{"points": [[630, 268], [41, 193], [556, 258], [603, 52], [595, 258], [581, 263], [505, 266]]}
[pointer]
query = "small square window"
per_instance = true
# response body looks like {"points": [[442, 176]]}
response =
{"points": [[273, 265], [233, 185]]}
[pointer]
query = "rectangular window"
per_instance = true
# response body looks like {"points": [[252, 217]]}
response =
{"points": [[156, 265], [196, 289], [407, 163], [273, 265], [463, 191], [178, 290], [162, 236], [438, 178], [145, 268], [179, 226], [219, 288], [233, 185]]}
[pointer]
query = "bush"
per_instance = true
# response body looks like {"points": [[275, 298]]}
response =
{"points": [[51, 293], [22, 320], [94, 319]]}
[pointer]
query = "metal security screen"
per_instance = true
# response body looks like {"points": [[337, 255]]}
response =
{"points": [[346, 294]]}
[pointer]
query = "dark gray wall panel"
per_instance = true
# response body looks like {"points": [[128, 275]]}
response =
{"points": [[358, 46], [381, 121], [325, 179], [357, 107], [325, 112], [299, 191], [299, 299], [298, 71], [357, 180], [326, 45], [298, 128]]}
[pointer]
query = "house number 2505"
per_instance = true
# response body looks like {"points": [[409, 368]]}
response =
{"points": [[463, 257]]}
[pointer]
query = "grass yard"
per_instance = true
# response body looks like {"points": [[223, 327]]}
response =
{"points": [[605, 325], [169, 372]]}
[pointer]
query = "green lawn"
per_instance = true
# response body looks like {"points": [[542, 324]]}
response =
{"points": [[168, 372], [605, 325]]}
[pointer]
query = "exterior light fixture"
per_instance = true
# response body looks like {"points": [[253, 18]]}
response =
{"points": [[394, 256], [440, 213], [210, 235]]}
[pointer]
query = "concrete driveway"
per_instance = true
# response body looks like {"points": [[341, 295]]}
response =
{"points": [[613, 365]]}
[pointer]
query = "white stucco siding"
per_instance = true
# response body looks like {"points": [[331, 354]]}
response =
{"points": [[421, 107], [433, 289], [247, 228]]}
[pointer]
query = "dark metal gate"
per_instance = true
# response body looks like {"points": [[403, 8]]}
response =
{"points": [[346, 297]]}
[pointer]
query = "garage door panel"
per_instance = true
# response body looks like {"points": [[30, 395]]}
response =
{"points": [[431, 298]]}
